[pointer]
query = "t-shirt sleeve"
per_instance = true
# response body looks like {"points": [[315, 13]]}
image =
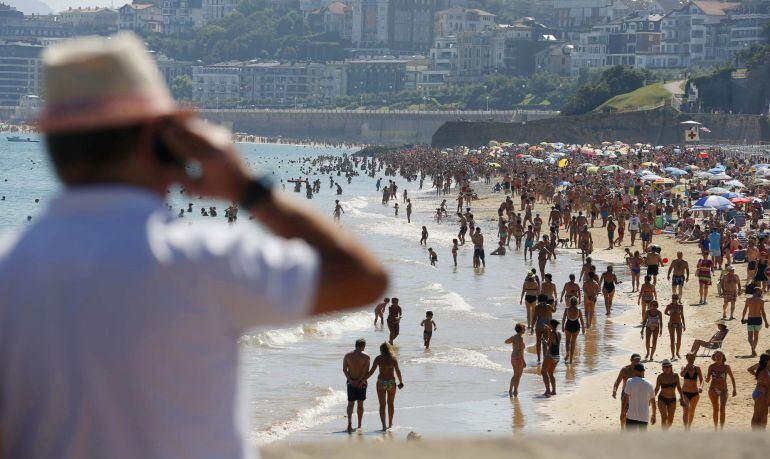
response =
{"points": [[257, 279]]}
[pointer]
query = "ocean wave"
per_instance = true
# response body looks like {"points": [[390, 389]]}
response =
{"points": [[461, 357], [303, 419], [330, 327], [452, 301]]}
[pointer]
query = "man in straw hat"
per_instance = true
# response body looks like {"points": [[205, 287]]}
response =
{"points": [[119, 325]]}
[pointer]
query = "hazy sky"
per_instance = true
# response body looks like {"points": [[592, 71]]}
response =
{"points": [[58, 5]]}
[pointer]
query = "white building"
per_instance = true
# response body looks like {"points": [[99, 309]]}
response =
{"points": [[140, 17], [179, 16], [101, 19], [217, 85], [457, 20]]}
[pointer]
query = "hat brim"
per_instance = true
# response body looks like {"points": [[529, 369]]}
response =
{"points": [[112, 113]]}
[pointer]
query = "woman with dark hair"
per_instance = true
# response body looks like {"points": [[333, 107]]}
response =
{"points": [[551, 341], [386, 381], [517, 358], [716, 375], [653, 327], [761, 393], [692, 382], [572, 324], [667, 386]]}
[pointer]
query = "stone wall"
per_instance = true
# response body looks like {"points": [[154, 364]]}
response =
{"points": [[659, 127]]}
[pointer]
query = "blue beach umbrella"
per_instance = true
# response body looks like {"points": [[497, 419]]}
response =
{"points": [[731, 195], [716, 202]]}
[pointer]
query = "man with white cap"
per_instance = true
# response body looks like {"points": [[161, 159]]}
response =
{"points": [[118, 324]]}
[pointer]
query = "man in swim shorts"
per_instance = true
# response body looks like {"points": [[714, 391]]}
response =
{"points": [[678, 273], [755, 307], [355, 366], [731, 285]]}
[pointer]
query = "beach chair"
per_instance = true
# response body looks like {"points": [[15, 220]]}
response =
{"points": [[713, 346]]}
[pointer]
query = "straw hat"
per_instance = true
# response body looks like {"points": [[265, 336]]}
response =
{"points": [[102, 82]]}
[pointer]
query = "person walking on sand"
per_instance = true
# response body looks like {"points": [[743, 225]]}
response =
{"points": [[608, 282], [761, 393], [653, 262], [731, 286], [755, 308], [692, 387], [530, 290], [635, 265], [572, 323], [394, 320], [379, 312], [428, 327], [667, 386], [704, 270], [676, 324], [652, 329], [590, 295], [542, 316], [517, 358], [639, 407], [551, 344], [679, 273], [647, 294], [624, 375], [153, 373], [387, 363], [408, 210], [716, 375], [355, 366]]}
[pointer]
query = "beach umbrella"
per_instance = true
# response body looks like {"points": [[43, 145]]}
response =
{"points": [[731, 195], [677, 172], [690, 123], [612, 167], [717, 202], [703, 155], [717, 169], [719, 177], [735, 184], [642, 172], [740, 200], [679, 189], [649, 164], [762, 182], [691, 167], [565, 184], [593, 169], [717, 190], [651, 177], [588, 165], [495, 165], [703, 175], [663, 181]]}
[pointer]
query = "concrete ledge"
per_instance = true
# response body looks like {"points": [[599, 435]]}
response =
{"points": [[654, 444]]}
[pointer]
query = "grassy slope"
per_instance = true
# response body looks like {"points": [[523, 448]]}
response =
{"points": [[646, 97]]}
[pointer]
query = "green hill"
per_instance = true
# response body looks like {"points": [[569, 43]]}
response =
{"points": [[646, 97]]}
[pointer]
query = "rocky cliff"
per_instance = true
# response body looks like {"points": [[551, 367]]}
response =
{"points": [[660, 127]]}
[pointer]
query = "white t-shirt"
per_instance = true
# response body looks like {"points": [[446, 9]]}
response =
{"points": [[633, 224], [119, 326], [639, 392]]}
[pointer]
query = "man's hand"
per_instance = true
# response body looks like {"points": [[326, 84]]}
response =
{"points": [[223, 174]]}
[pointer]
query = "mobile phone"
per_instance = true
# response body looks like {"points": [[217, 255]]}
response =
{"points": [[164, 154]]}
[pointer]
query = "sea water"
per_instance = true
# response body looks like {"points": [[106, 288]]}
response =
{"points": [[294, 373]]}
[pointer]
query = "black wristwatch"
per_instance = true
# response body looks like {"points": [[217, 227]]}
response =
{"points": [[255, 192]]}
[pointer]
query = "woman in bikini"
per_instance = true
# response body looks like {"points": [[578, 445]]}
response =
{"points": [[517, 358], [652, 329], [572, 323], [716, 375], [590, 293], [676, 324], [542, 317], [635, 264], [761, 393], [608, 282], [386, 381], [691, 389], [647, 294], [530, 289], [667, 387], [703, 271], [550, 342]]}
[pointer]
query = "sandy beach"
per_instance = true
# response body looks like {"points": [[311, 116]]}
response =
{"points": [[591, 404]]}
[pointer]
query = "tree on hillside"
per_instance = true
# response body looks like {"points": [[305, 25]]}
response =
{"points": [[612, 82], [182, 88]]}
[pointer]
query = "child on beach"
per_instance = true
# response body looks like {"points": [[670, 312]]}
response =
{"points": [[454, 251], [424, 238], [433, 256], [429, 326], [395, 207]]}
